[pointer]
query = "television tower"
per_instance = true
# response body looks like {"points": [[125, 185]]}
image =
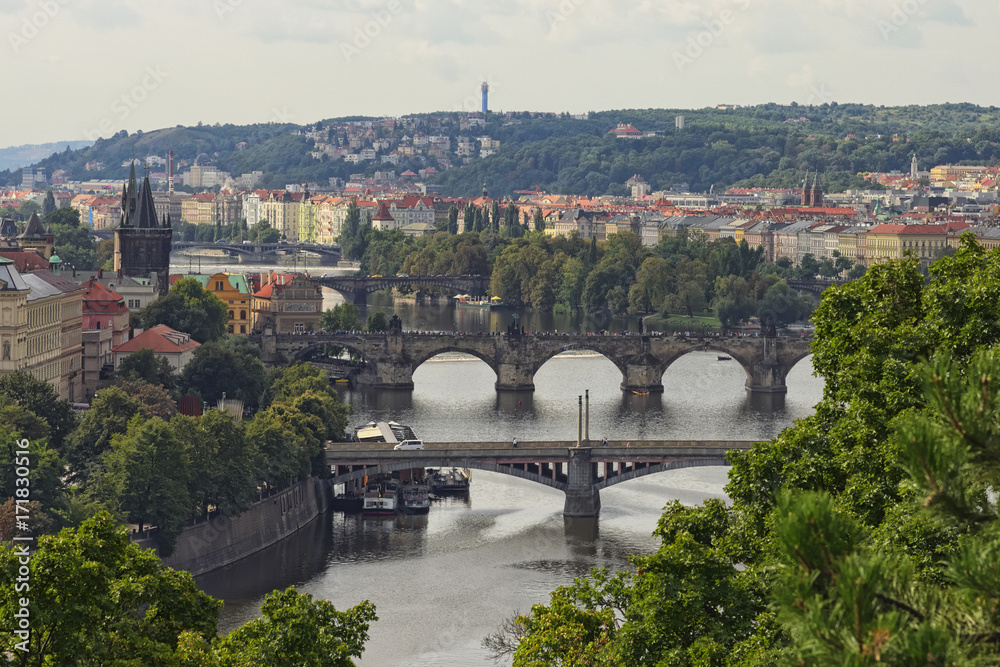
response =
{"points": [[486, 93]]}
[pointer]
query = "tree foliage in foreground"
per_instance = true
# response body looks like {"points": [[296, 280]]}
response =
{"points": [[866, 534], [98, 600]]}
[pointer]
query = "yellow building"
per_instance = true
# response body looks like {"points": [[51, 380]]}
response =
{"points": [[233, 291], [888, 242]]}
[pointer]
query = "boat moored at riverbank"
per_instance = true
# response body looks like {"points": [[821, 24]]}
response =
{"points": [[381, 498]]}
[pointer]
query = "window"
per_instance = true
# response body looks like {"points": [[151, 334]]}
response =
{"points": [[243, 328], [300, 328], [243, 314], [230, 314]]}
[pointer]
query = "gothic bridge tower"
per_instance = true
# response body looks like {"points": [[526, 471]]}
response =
{"points": [[142, 244]]}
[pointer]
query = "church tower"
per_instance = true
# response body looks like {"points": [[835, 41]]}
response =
{"points": [[817, 192], [142, 244]]}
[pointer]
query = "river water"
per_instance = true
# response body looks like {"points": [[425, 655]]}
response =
{"points": [[443, 581]]}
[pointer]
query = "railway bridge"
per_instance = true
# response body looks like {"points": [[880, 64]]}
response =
{"points": [[580, 472], [392, 357]]}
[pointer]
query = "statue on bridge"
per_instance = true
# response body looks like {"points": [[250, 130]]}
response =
{"points": [[768, 325], [395, 325]]}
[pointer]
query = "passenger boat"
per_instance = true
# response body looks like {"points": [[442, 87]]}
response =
{"points": [[416, 497], [381, 498], [449, 480], [725, 357]]}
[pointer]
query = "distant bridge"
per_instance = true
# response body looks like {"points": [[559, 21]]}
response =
{"points": [[580, 472], [260, 252], [392, 358], [357, 289], [813, 286]]}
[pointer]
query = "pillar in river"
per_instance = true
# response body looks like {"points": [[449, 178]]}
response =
{"points": [[582, 499]]}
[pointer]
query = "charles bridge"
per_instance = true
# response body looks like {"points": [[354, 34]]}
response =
{"points": [[392, 357], [357, 289], [579, 471]]}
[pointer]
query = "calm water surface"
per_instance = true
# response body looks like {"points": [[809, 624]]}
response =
{"points": [[443, 581]]}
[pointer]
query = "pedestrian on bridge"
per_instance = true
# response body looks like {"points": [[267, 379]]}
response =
{"points": [[514, 444], [604, 443]]}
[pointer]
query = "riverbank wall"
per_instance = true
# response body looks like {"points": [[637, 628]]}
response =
{"points": [[216, 541]]}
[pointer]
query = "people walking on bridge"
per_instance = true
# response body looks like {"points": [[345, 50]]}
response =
{"points": [[514, 444], [604, 443]]}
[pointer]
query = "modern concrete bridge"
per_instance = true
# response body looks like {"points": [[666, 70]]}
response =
{"points": [[580, 472], [392, 357], [357, 289]]}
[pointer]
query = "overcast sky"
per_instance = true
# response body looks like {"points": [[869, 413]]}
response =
{"points": [[78, 69]]}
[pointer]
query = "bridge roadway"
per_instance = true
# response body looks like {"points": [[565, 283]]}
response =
{"points": [[580, 472], [392, 357]]}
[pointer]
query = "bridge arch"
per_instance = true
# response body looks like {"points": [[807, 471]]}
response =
{"points": [[303, 353], [585, 345], [358, 475], [471, 351], [708, 346], [659, 467]]}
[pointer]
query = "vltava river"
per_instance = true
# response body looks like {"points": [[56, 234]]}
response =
{"points": [[443, 581]]}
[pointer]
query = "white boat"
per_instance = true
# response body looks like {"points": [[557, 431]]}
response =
{"points": [[416, 497], [381, 498]]}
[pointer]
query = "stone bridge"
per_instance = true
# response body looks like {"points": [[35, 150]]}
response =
{"points": [[642, 360], [259, 252], [580, 472], [357, 289]]}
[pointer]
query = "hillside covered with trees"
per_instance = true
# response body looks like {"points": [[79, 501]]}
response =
{"points": [[761, 145]]}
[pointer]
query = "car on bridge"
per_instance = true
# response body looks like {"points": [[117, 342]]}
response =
{"points": [[409, 444]]}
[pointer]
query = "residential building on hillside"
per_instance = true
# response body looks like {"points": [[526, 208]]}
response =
{"points": [[176, 347]]}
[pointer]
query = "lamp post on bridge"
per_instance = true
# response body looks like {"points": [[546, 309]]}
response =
{"points": [[586, 421], [579, 421]]}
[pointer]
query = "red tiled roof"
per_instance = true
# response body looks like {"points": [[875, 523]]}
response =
{"points": [[161, 339], [25, 261]]}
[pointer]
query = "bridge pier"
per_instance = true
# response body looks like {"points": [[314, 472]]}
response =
{"points": [[515, 377], [767, 374], [582, 499], [643, 375]]}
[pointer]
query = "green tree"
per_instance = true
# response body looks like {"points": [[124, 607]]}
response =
{"points": [[38, 396], [146, 366], [377, 322], [49, 204], [785, 304], [539, 221], [342, 317], [453, 219], [216, 369], [110, 412], [295, 629], [190, 308], [104, 601], [222, 463], [146, 475]]}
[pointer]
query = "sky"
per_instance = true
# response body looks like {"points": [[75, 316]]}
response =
{"points": [[81, 69]]}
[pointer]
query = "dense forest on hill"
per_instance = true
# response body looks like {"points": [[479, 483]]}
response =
{"points": [[764, 145]]}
